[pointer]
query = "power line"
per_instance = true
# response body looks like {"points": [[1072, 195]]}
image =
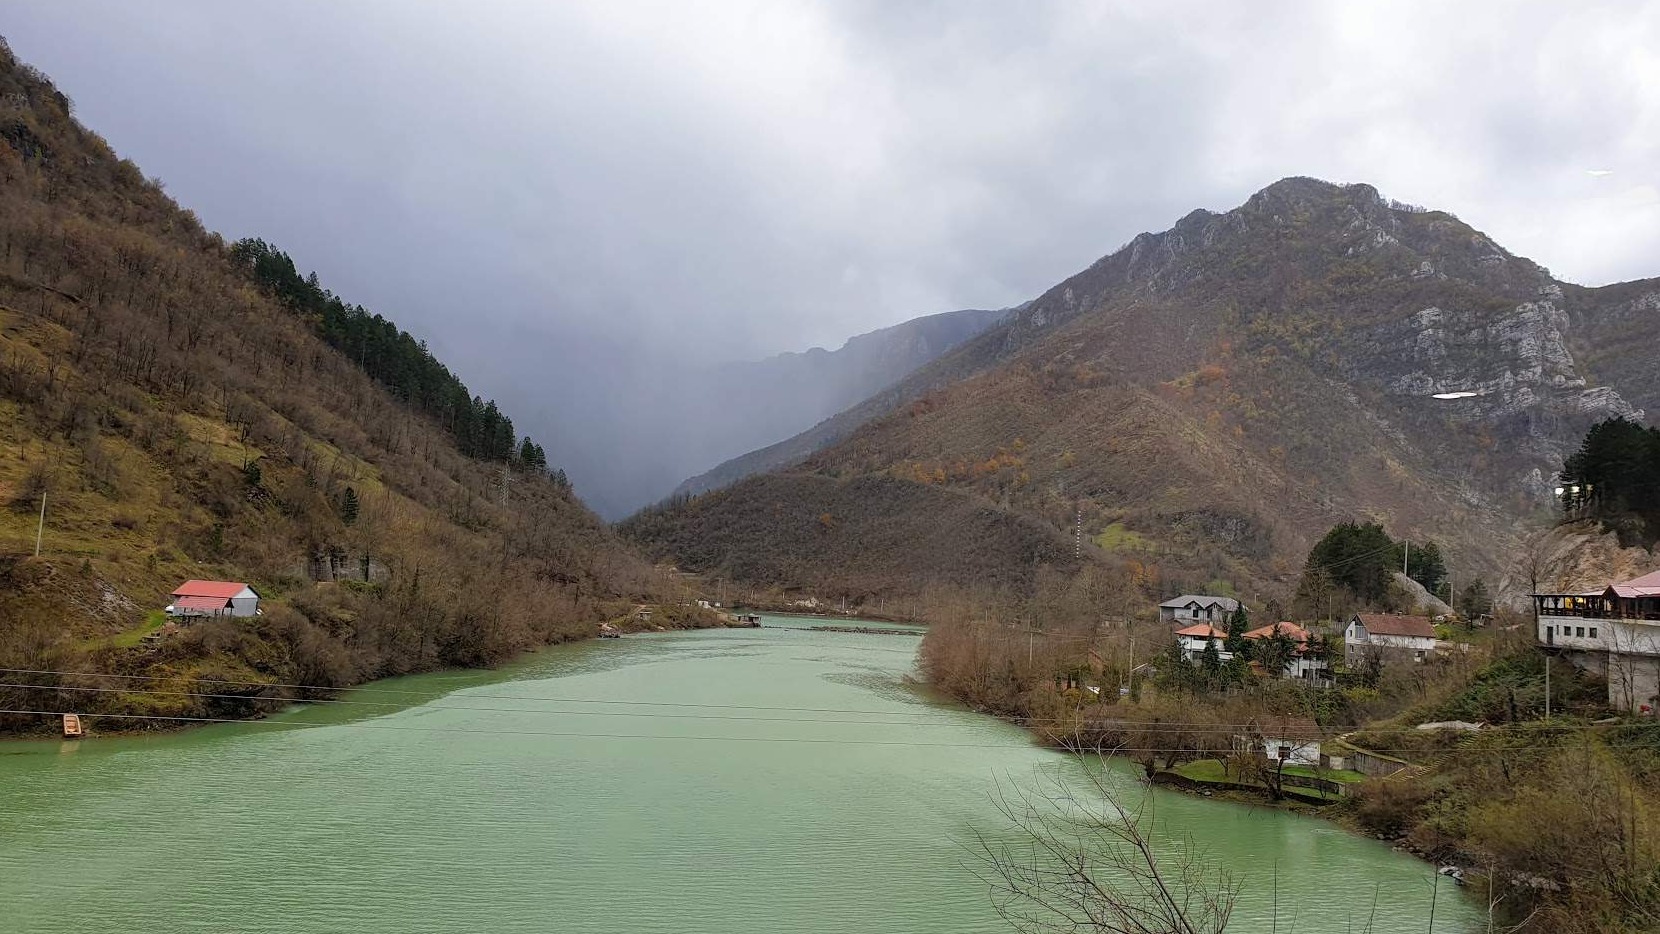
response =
{"points": [[719, 739], [518, 710], [429, 694], [1141, 726]]}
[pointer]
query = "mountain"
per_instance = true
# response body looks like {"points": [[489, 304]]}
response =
{"points": [[793, 390], [184, 408], [647, 426], [1205, 401]]}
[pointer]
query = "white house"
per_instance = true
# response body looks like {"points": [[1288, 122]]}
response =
{"points": [[214, 598], [1302, 663], [1193, 639], [1387, 632], [1197, 607], [1294, 739], [1614, 632]]}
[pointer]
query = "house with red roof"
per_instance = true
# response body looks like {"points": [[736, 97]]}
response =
{"points": [[1302, 663], [1614, 632], [1388, 634], [213, 598], [1193, 639]]}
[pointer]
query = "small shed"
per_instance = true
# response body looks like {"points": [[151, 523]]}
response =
{"points": [[1296, 740], [214, 598]]}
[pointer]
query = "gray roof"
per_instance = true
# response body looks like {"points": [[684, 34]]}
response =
{"points": [[1226, 603]]}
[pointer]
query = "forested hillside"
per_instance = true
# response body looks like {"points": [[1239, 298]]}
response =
{"points": [[189, 409], [1210, 399]]}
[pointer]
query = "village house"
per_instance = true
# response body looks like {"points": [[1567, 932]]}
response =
{"points": [[1302, 664], [1197, 607], [1386, 634], [1614, 632], [213, 598], [1293, 739], [1193, 639]]}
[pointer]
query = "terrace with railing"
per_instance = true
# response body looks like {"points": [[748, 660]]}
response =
{"points": [[1598, 607]]}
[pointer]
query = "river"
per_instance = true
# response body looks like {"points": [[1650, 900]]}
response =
{"points": [[712, 782]]}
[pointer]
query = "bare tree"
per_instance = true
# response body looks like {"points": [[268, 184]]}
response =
{"points": [[1082, 861]]}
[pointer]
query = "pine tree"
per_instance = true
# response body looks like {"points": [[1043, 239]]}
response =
{"points": [[1210, 659], [349, 506], [1239, 622], [1474, 600]]}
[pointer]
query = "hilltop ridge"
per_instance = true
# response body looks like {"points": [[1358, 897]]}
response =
{"points": [[1227, 388]]}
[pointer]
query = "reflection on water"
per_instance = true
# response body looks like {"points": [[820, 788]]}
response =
{"points": [[800, 785]]}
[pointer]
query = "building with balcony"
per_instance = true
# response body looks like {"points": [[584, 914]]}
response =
{"points": [[1614, 632]]}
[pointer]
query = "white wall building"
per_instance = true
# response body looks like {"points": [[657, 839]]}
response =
{"points": [[1302, 663], [1614, 632], [1294, 739], [1193, 639], [1388, 633], [1196, 607]]}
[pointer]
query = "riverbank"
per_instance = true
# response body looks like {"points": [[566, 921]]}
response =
{"points": [[1491, 801], [493, 800], [144, 690], [794, 610]]}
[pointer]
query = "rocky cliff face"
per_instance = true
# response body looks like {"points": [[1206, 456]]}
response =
{"points": [[1278, 364]]}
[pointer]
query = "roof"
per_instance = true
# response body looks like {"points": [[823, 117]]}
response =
{"points": [[1646, 586], [1202, 631], [201, 603], [1292, 630], [221, 589], [1226, 603], [1389, 624]]}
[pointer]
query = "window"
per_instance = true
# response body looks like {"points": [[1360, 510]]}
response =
{"points": [[1593, 632], [1579, 631]]}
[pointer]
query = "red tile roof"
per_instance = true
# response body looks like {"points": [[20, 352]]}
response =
{"points": [[1389, 624], [1294, 631], [1202, 631], [222, 589]]}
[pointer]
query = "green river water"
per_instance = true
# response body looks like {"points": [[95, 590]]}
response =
{"points": [[514, 801]]}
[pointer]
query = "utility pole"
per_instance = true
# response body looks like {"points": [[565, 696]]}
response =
{"points": [[40, 529], [1032, 633], [1132, 663], [1547, 683], [1078, 535], [1406, 554]]}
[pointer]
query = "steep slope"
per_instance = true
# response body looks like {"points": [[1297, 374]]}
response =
{"points": [[667, 418], [183, 420], [894, 356], [841, 537], [1613, 335], [1213, 396], [779, 396]]}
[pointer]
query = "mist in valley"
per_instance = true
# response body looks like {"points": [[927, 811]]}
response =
{"points": [[606, 216]]}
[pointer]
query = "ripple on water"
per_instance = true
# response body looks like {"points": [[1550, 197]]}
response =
{"points": [[547, 817]]}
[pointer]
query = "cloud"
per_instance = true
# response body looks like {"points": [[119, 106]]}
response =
{"points": [[570, 200]]}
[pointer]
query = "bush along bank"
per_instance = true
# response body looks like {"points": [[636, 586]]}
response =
{"points": [[1557, 822]]}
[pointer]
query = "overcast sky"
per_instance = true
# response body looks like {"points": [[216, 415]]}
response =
{"points": [[537, 185]]}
